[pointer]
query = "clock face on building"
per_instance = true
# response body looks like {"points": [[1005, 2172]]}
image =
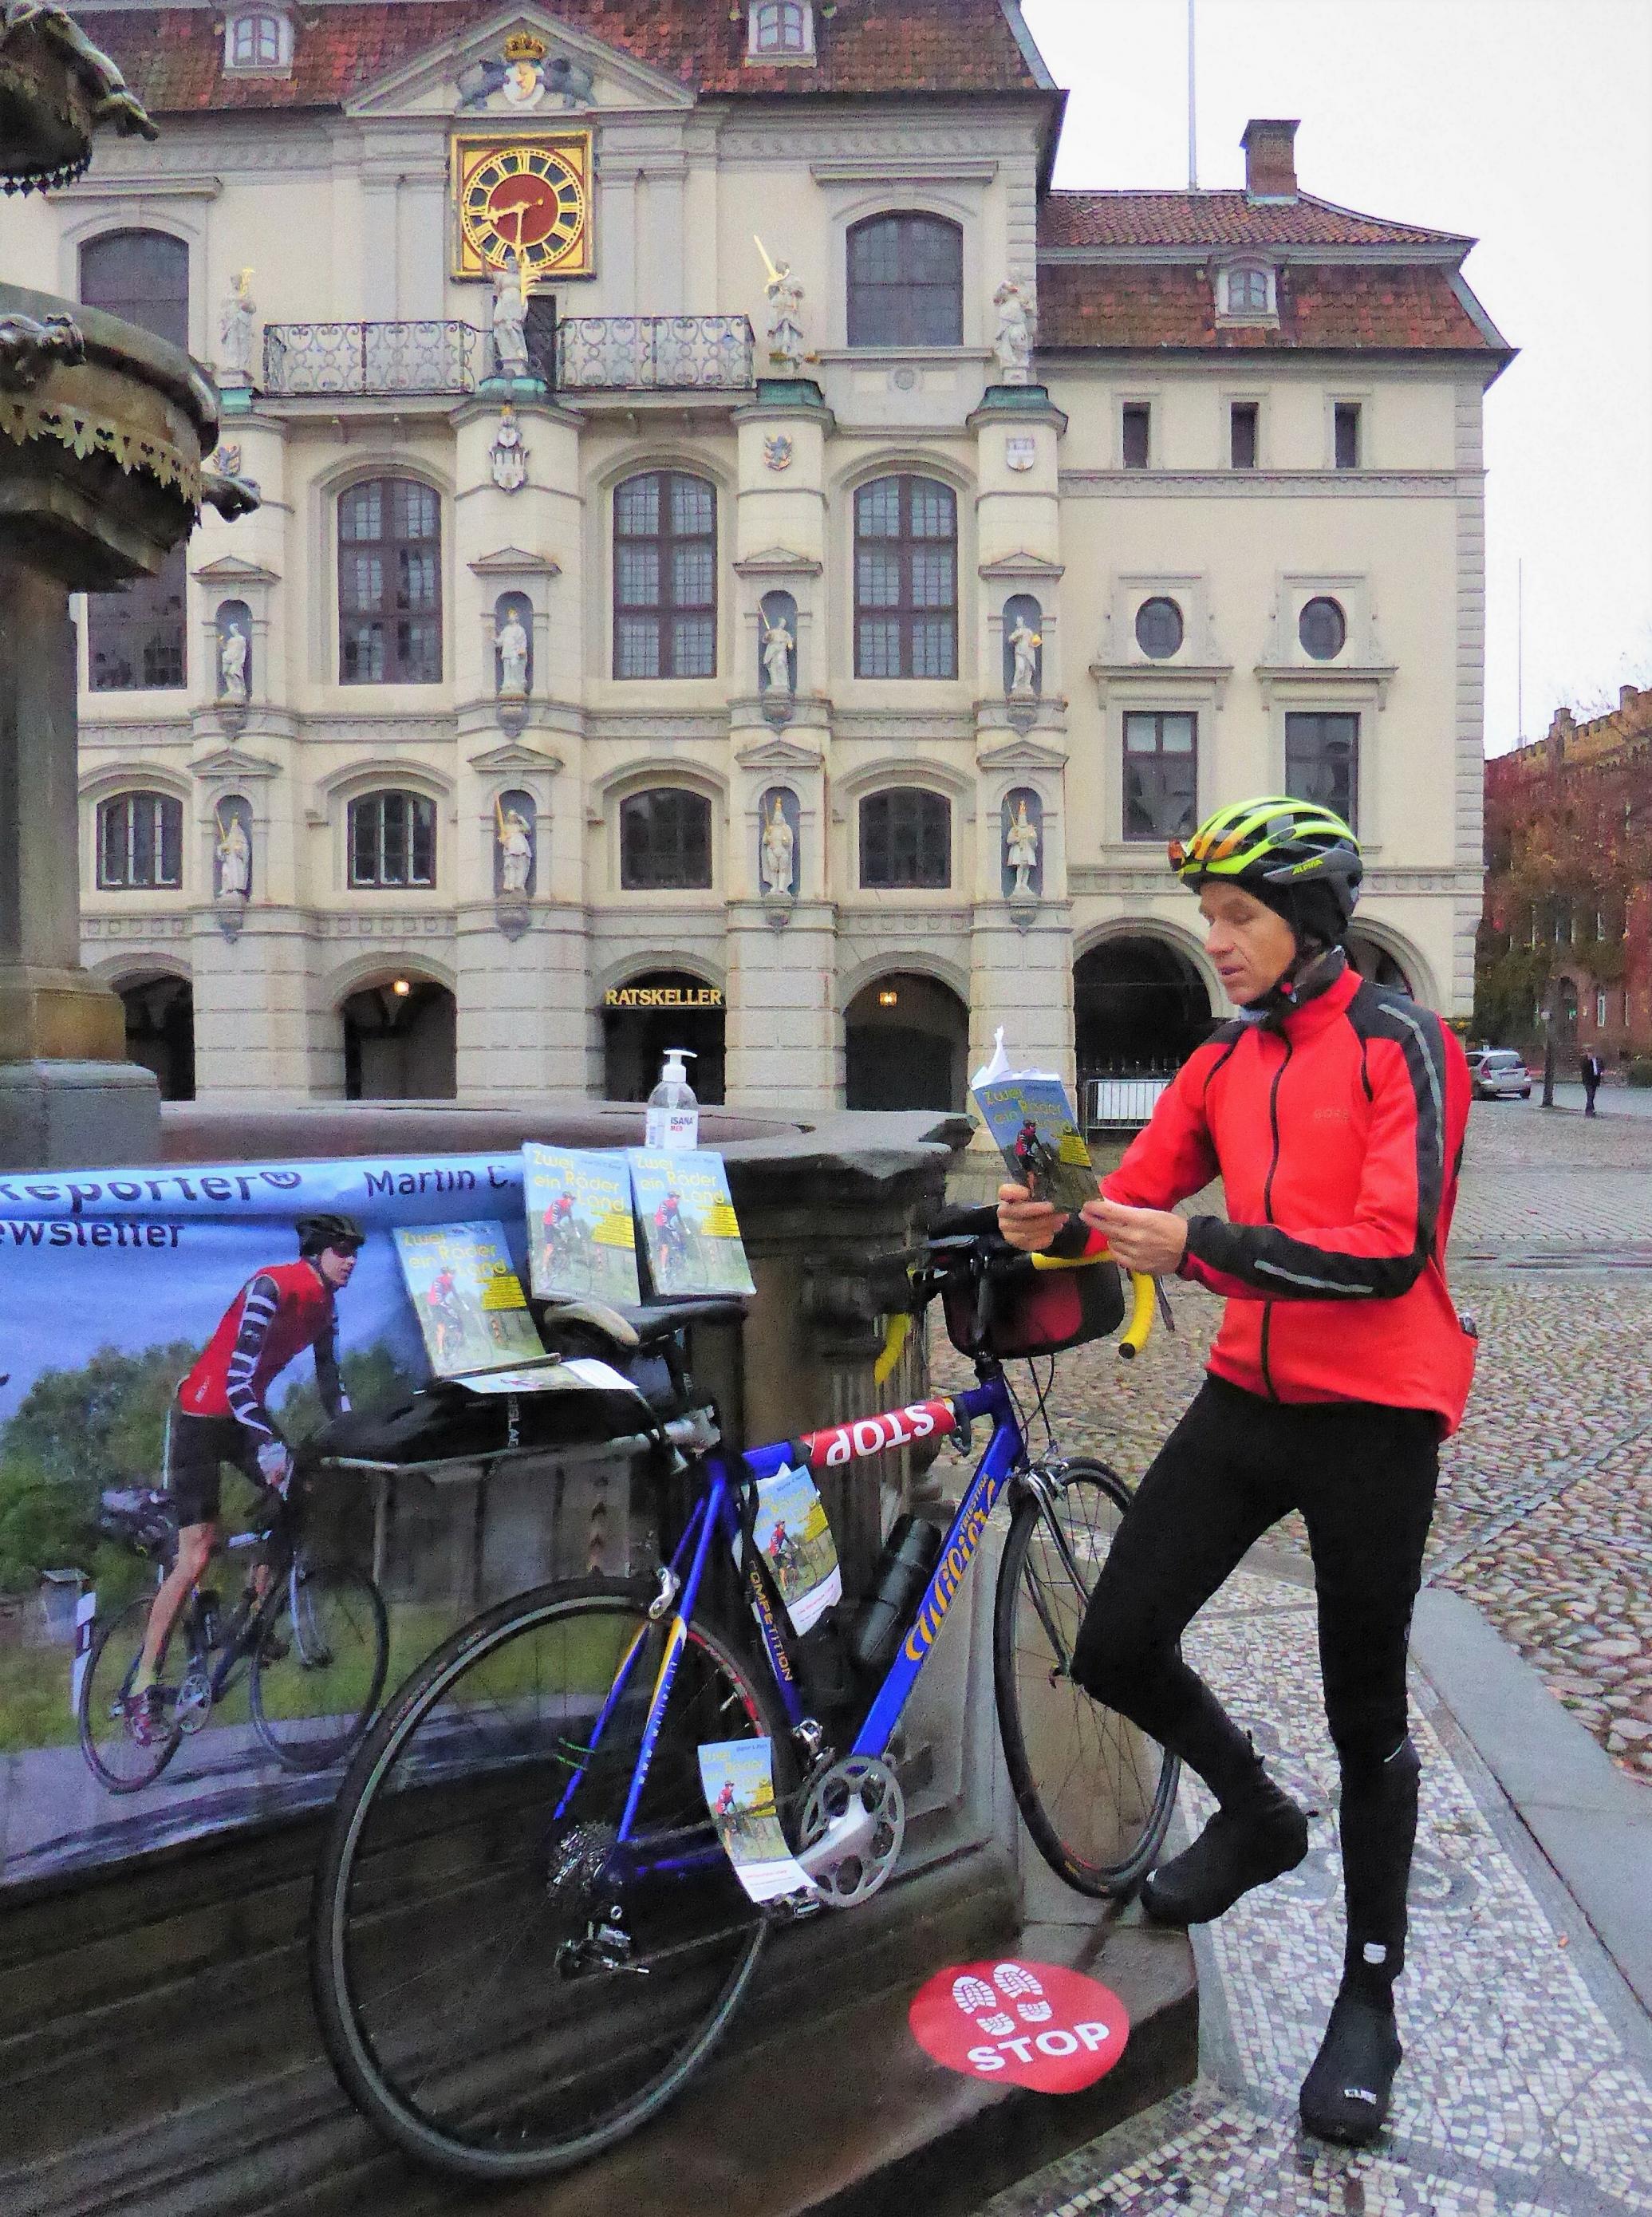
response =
{"points": [[523, 196]]}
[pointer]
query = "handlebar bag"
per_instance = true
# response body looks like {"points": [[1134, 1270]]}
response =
{"points": [[1011, 1310]]}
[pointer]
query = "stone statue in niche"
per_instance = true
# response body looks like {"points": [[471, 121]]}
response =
{"points": [[510, 639], [779, 644], [234, 853], [234, 322], [232, 666], [507, 456], [1022, 850], [778, 858], [1024, 644], [1017, 325], [510, 322], [515, 838], [786, 350]]}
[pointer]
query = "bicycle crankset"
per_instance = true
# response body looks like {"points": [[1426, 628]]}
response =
{"points": [[194, 1702], [854, 1823]]}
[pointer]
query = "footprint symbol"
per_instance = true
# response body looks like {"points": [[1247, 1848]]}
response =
{"points": [[998, 2026], [970, 1994], [1035, 2012], [1012, 1978]]}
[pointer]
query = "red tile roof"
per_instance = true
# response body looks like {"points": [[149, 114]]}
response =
{"points": [[1217, 219], [173, 57], [1343, 307]]}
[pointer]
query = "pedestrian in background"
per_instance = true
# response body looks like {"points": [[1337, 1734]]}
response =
{"points": [[1594, 1070]]}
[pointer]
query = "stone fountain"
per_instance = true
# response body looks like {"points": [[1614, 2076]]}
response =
{"points": [[104, 431]]}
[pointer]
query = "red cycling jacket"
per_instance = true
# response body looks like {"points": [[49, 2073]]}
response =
{"points": [[1338, 1136]]}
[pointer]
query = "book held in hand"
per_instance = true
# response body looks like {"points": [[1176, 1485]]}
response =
{"points": [[1030, 1117]]}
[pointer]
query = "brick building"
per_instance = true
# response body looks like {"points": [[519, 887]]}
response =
{"points": [[1567, 917]]}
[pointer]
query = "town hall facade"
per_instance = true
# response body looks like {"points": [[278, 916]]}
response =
{"points": [[742, 563]]}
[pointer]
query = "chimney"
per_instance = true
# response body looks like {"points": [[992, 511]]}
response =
{"points": [[1270, 160]]}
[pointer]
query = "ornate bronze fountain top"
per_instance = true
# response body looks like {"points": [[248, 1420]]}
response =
{"points": [[55, 88]]}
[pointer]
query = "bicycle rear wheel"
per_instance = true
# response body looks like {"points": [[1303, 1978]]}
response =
{"points": [[320, 1665], [461, 1999], [122, 1763], [1096, 1794]]}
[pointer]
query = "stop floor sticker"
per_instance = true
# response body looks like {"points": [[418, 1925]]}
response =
{"points": [[1020, 2024]]}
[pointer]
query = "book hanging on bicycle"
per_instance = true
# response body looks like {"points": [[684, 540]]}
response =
{"points": [[581, 1240], [690, 1235]]}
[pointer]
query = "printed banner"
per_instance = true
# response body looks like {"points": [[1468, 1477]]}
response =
{"points": [[161, 1337]]}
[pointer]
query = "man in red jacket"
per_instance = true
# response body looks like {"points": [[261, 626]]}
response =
{"points": [[1333, 1111]]}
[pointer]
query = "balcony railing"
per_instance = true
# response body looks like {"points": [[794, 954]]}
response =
{"points": [[654, 354], [592, 354], [372, 358]]}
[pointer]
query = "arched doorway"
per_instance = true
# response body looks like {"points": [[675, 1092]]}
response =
{"points": [[1565, 1006], [161, 1031], [400, 1041], [659, 1009], [906, 1044], [1376, 964], [1139, 1008]]}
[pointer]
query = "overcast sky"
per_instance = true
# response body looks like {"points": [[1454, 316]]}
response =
{"points": [[1524, 123]]}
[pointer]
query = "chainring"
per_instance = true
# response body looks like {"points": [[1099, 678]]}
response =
{"points": [[854, 1824]]}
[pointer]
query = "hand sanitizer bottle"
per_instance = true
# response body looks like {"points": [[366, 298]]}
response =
{"points": [[673, 1111]]}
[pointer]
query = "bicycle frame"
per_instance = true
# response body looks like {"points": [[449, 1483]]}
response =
{"points": [[715, 1517]]}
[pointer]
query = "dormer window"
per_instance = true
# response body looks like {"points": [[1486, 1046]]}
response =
{"points": [[1246, 294], [258, 41], [781, 31]]}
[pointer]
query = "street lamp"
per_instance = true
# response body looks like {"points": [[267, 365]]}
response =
{"points": [[1548, 1055]]}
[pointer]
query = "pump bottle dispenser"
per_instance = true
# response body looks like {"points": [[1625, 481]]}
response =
{"points": [[673, 1111]]}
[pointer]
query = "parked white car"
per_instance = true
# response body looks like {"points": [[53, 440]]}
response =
{"points": [[1497, 1073]]}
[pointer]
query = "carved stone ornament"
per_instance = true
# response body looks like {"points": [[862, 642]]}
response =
{"points": [[30, 350], [232, 864], [1020, 452], [525, 77], [1017, 322], [236, 319], [779, 451], [507, 456], [787, 350]]}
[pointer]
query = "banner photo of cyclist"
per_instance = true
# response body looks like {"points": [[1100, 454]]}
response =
{"points": [[168, 1336], [582, 1239]]}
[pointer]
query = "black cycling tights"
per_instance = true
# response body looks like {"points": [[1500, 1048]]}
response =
{"points": [[1363, 1476]]}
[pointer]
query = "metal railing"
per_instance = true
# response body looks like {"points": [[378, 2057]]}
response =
{"points": [[619, 354], [1120, 1103], [372, 358]]}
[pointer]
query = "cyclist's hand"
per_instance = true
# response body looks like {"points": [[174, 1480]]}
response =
{"points": [[1150, 1240], [1025, 1222], [275, 1465]]}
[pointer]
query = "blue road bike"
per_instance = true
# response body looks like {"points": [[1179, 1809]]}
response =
{"points": [[526, 1935]]}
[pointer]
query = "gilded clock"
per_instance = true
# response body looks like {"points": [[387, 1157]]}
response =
{"points": [[526, 197]]}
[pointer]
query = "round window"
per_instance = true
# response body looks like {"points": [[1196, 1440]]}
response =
{"points": [[1158, 628], [1323, 630]]}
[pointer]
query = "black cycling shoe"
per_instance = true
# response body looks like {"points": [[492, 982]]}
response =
{"points": [[1346, 2095], [1241, 1848]]}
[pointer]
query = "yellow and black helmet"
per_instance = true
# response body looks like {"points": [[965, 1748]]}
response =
{"points": [[1275, 844]]}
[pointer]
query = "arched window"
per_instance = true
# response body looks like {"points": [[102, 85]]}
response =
{"points": [[665, 841], [781, 27], [142, 275], [906, 839], [1247, 292], [135, 637], [390, 584], [392, 840], [905, 579], [139, 842], [665, 577], [906, 282], [257, 39]]}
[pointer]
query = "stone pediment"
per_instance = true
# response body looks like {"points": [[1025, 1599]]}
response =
{"points": [[455, 77], [778, 562], [515, 562], [1022, 754], [1023, 566], [233, 569], [514, 754], [233, 762], [779, 754]]}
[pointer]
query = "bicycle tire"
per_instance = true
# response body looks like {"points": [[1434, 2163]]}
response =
{"points": [[118, 1762], [1100, 1812], [297, 1680], [481, 2097]]}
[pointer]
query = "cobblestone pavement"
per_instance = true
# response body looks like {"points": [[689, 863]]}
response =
{"points": [[1544, 1516], [1526, 2089]]}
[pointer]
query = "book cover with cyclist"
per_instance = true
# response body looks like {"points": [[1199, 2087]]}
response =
{"points": [[737, 1778], [691, 1235], [794, 1534], [581, 1240], [1032, 1120], [472, 1313]]}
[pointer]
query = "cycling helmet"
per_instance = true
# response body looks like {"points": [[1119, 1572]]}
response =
{"points": [[1274, 847], [317, 1233]]}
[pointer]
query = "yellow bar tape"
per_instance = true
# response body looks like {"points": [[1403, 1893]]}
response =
{"points": [[1145, 1299]]}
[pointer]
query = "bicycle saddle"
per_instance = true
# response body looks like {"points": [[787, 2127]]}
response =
{"points": [[634, 1328]]}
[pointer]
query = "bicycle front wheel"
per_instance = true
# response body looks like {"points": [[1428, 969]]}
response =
{"points": [[117, 1757], [478, 1929], [1096, 1794], [320, 1665]]}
